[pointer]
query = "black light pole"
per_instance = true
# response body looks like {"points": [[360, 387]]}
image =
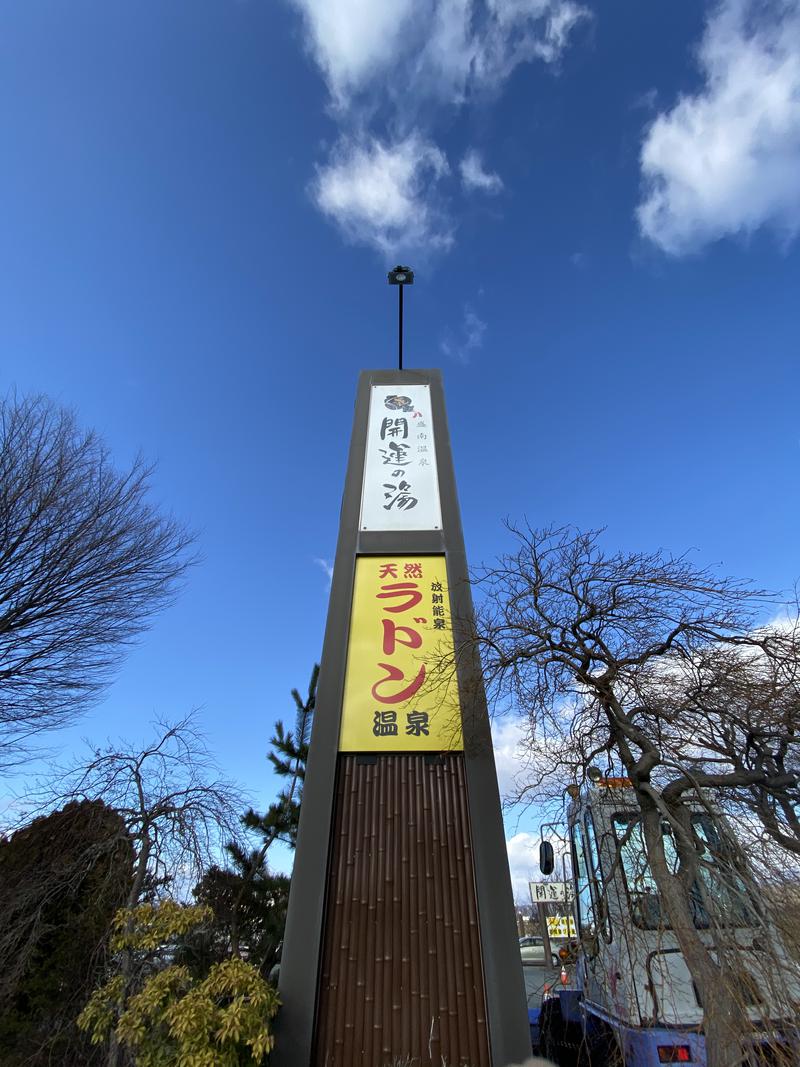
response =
{"points": [[400, 276]]}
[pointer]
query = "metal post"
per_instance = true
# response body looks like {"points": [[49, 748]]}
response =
{"points": [[548, 949], [401, 277]]}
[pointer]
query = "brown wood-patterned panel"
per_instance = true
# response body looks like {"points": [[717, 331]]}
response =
{"points": [[401, 970]]}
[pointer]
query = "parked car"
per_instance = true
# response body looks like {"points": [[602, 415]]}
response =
{"points": [[531, 950]]}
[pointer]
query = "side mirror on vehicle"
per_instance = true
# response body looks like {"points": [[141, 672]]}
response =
{"points": [[547, 860]]}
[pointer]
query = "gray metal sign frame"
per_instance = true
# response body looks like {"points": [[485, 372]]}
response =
{"points": [[509, 1035]]}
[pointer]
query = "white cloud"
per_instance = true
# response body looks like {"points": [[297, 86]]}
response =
{"points": [[473, 47], [384, 194], [468, 339], [396, 64], [726, 160], [507, 739], [440, 48], [539, 28], [327, 567], [474, 329], [474, 176], [523, 863], [511, 756], [352, 41]]}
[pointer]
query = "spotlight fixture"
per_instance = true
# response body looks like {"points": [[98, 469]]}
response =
{"points": [[401, 276]]}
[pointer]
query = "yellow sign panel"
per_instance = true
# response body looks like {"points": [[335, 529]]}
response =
{"points": [[561, 926], [400, 692]]}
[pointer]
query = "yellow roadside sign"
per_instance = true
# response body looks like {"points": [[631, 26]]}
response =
{"points": [[400, 693], [561, 926]]}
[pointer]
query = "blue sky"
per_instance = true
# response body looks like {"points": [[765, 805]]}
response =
{"points": [[200, 200]]}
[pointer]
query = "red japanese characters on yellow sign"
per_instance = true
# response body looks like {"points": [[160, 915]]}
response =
{"points": [[400, 692]]}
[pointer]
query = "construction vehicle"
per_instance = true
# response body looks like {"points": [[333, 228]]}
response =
{"points": [[626, 997]]}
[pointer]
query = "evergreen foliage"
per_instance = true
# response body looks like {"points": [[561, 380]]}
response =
{"points": [[261, 899], [169, 1018], [188, 986], [250, 881], [61, 880], [288, 758]]}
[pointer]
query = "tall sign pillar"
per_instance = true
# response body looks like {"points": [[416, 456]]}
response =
{"points": [[401, 939]]}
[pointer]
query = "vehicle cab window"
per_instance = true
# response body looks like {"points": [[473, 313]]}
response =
{"points": [[722, 891], [597, 881], [585, 904]]}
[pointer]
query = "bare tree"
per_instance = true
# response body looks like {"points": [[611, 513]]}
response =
{"points": [[178, 811], [598, 651], [85, 561], [730, 718]]}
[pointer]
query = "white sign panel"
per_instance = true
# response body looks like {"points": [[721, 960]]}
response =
{"points": [[401, 485], [551, 892]]}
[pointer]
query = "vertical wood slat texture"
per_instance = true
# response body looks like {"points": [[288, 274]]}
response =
{"points": [[401, 969]]}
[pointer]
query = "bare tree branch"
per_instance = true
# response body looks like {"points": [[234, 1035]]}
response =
{"points": [[179, 811], [658, 663], [85, 562]]}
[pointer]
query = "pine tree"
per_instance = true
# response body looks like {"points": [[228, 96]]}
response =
{"points": [[257, 897], [288, 758], [249, 902]]}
